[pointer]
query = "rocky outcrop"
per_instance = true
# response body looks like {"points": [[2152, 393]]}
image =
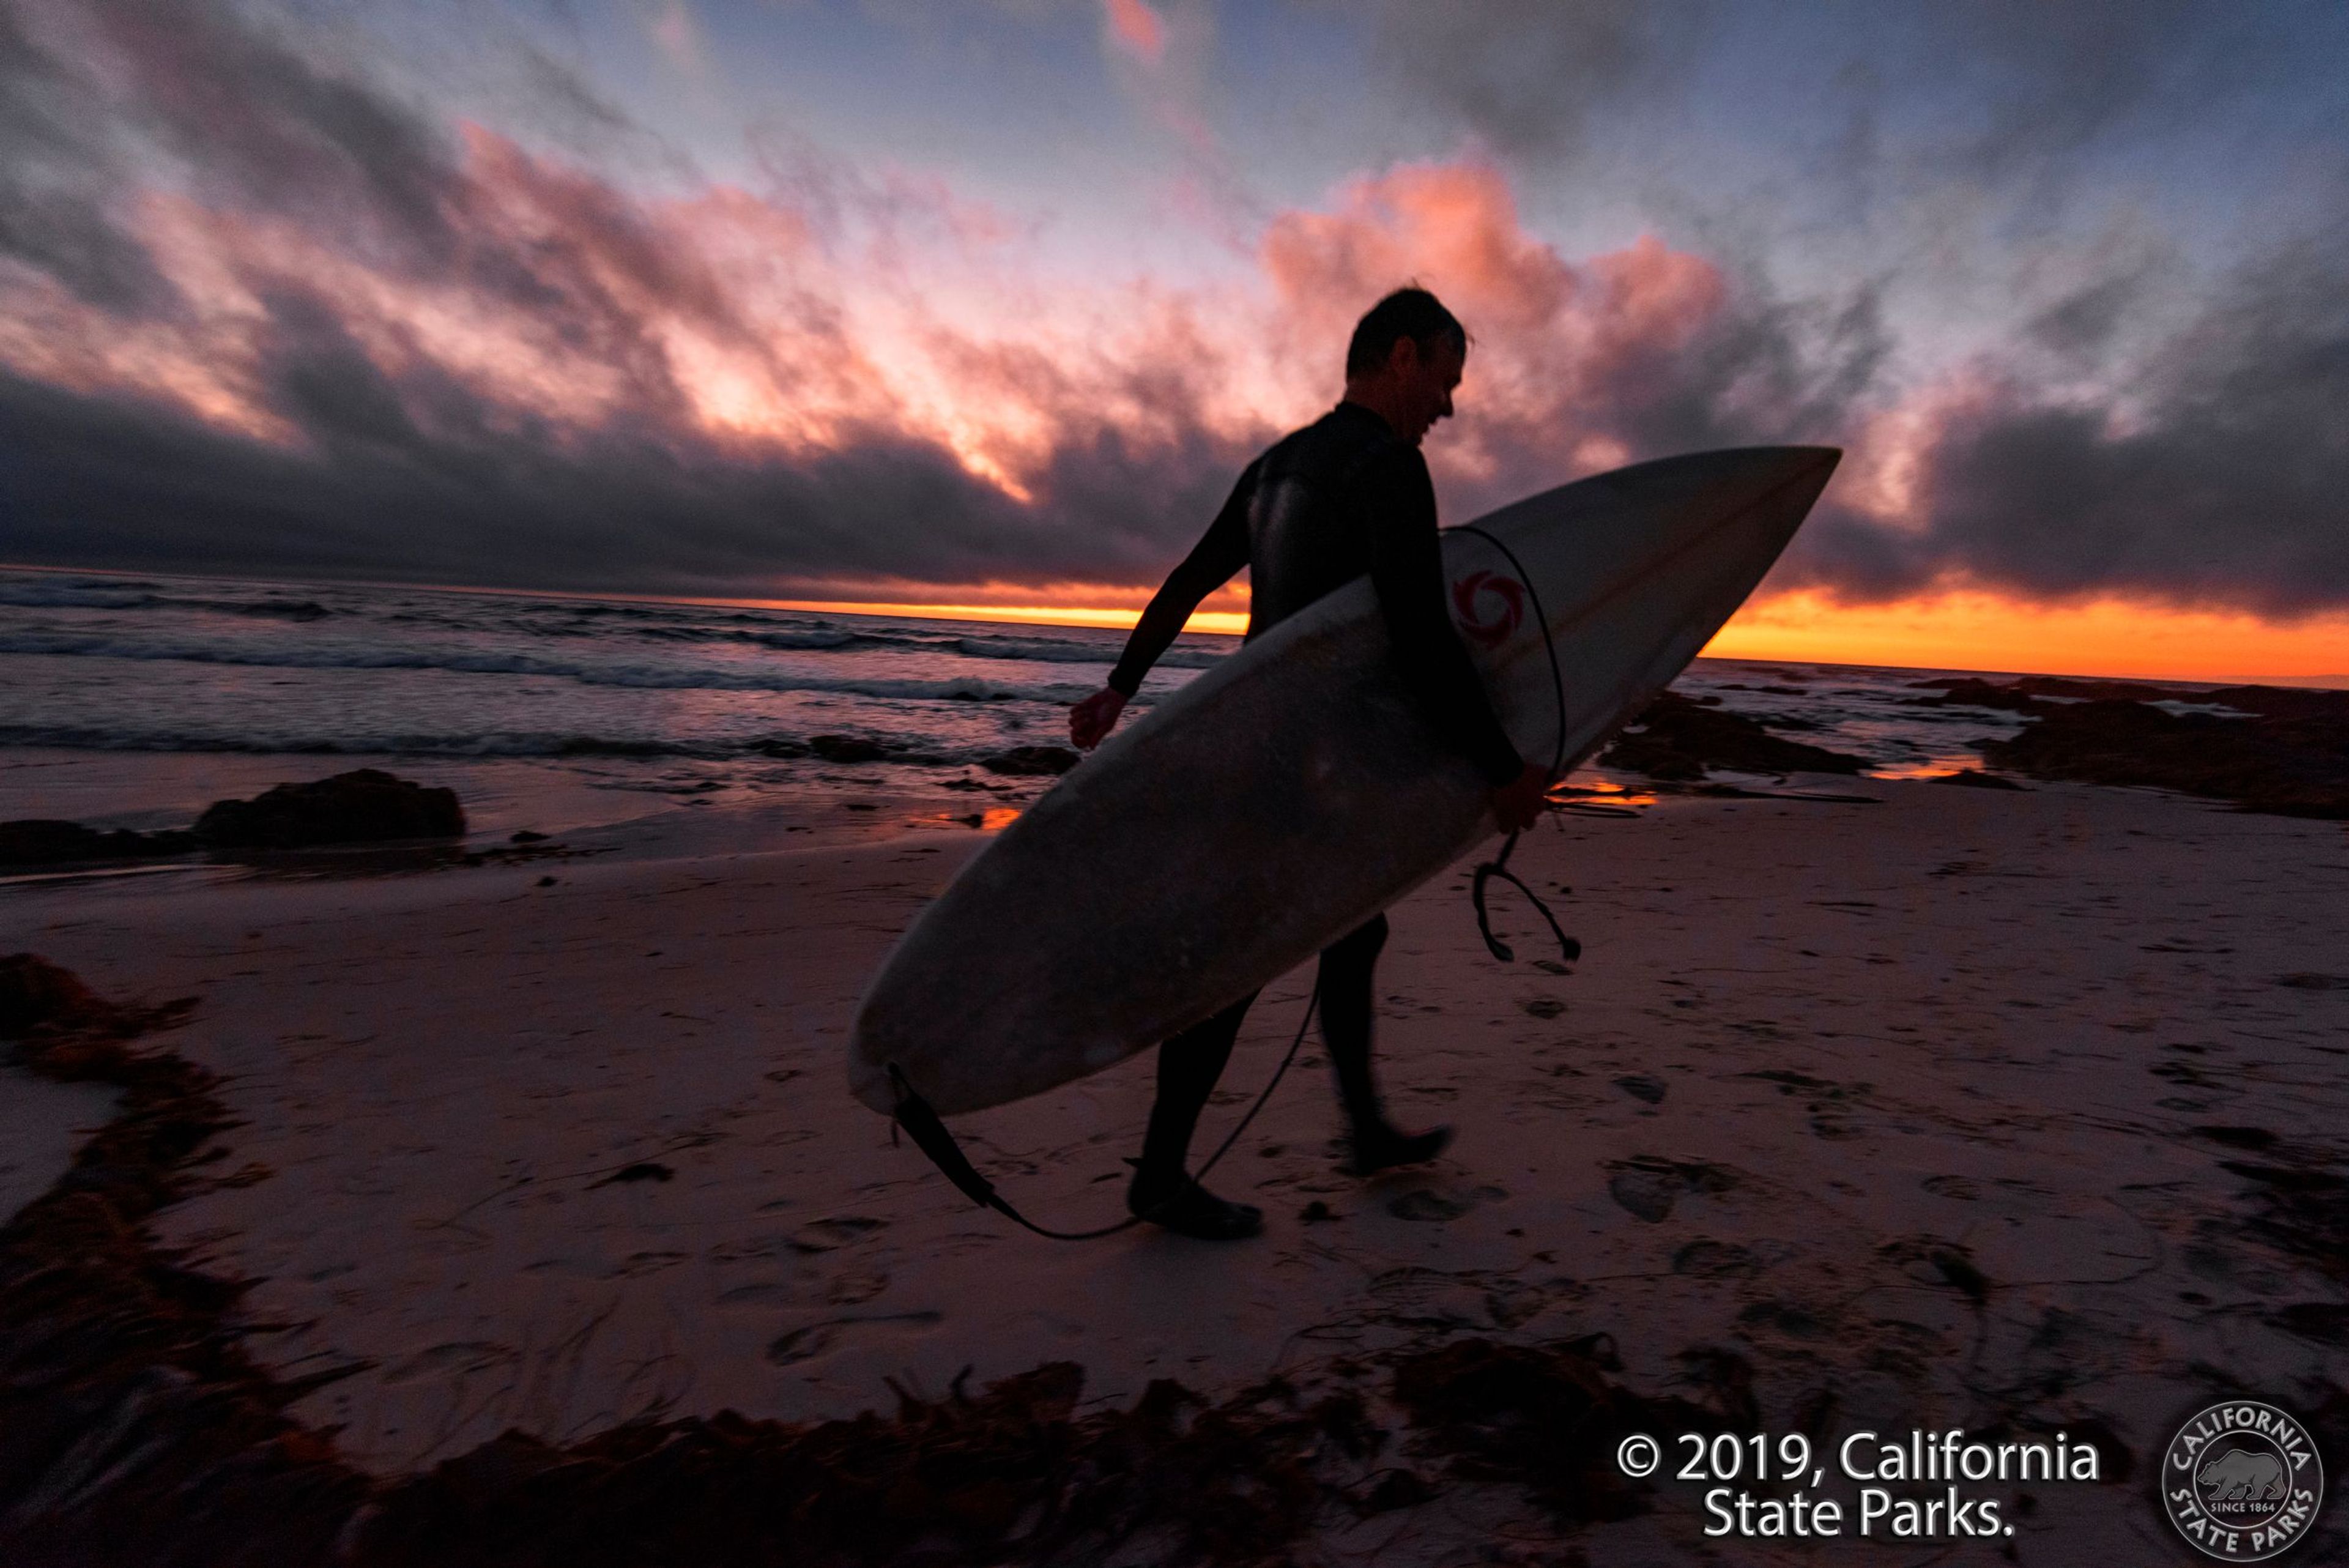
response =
{"points": [[1676, 738], [1032, 761], [2295, 766], [366, 806]]}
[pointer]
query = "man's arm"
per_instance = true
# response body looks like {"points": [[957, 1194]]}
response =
{"points": [[1219, 554], [1407, 568]]}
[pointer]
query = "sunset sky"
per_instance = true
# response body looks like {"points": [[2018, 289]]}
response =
{"points": [[986, 302]]}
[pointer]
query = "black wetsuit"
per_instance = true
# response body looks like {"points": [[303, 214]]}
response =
{"points": [[1340, 499]]}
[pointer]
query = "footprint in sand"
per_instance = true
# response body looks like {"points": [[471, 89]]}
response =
{"points": [[805, 1344], [1645, 1086], [645, 1264], [457, 1356], [1643, 1195], [1785, 1319], [1423, 1204], [1648, 1186], [765, 1244], [1931, 1260], [1705, 1259], [824, 1235], [855, 1290], [643, 1170]]}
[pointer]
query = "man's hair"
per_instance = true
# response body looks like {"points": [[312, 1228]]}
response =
{"points": [[1412, 313]]}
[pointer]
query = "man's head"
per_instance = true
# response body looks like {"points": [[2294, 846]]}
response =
{"points": [[1404, 360]]}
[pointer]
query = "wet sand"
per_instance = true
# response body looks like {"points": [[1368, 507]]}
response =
{"points": [[1967, 1108]]}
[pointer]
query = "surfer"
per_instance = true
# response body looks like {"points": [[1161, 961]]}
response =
{"points": [[1348, 495]]}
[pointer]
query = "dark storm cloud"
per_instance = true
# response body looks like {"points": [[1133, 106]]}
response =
{"points": [[415, 475], [258, 122], [2050, 81], [401, 466], [2152, 426], [567, 441], [1754, 371], [1527, 75], [1990, 88], [2082, 323], [2221, 479], [478, 500], [53, 214]]}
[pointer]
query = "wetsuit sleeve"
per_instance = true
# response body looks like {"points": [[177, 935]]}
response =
{"points": [[1210, 565], [1407, 568]]}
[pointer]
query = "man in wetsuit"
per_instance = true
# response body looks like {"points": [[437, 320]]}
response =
{"points": [[1346, 495]]}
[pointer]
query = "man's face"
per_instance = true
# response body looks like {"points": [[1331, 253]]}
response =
{"points": [[1427, 379]]}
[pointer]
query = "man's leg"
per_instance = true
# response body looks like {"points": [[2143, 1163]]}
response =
{"points": [[1348, 1005], [1348, 967], [1163, 1190]]}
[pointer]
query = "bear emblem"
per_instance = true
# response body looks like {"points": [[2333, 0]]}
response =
{"points": [[2241, 1473]]}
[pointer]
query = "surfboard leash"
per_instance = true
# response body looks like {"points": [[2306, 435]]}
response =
{"points": [[930, 1135], [1499, 865]]}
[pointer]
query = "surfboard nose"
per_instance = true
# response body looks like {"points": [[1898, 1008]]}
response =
{"points": [[1738, 479], [1757, 493], [1790, 480], [1812, 461], [1806, 469]]}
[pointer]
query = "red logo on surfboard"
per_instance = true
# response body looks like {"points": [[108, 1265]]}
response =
{"points": [[1488, 607]]}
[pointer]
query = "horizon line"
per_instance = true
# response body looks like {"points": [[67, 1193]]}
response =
{"points": [[1208, 623]]}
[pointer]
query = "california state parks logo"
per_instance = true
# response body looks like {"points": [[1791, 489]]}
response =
{"points": [[2242, 1481]]}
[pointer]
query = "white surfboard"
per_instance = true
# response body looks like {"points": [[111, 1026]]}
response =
{"points": [[1291, 792]]}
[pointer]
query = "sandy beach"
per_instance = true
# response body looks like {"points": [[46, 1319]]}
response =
{"points": [[1962, 1109]]}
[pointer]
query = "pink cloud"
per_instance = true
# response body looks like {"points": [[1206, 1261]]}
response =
{"points": [[343, 331], [1566, 356], [744, 318], [446, 301], [1137, 29]]}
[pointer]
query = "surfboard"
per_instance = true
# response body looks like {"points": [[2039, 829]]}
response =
{"points": [[1290, 793]]}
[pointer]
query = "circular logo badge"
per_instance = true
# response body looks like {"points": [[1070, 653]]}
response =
{"points": [[1488, 608], [2242, 1481]]}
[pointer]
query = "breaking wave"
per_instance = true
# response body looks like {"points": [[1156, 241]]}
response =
{"points": [[652, 676]]}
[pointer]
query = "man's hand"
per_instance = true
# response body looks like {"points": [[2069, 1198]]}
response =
{"points": [[1090, 721], [1518, 802]]}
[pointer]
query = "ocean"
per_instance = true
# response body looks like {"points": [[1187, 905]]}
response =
{"points": [[664, 696]]}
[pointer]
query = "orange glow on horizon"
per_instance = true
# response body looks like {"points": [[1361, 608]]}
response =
{"points": [[1227, 623], [2109, 638], [2113, 637], [1983, 632]]}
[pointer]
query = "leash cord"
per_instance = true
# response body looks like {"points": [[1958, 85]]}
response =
{"points": [[1499, 865], [922, 1124]]}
